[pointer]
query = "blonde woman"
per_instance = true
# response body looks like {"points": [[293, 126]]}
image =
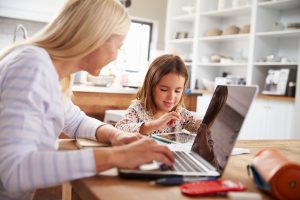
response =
{"points": [[35, 107]]}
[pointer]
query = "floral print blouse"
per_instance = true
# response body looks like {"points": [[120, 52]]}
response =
{"points": [[136, 115]]}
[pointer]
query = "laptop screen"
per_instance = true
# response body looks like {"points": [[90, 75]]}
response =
{"points": [[222, 123]]}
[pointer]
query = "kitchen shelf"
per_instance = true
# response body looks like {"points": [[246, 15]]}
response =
{"points": [[245, 49], [229, 12], [280, 4], [281, 34], [233, 64], [276, 64], [259, 43], [184, 18], [225, 37], [183, 40]]}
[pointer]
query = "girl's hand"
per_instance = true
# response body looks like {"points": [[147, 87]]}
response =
{"points": [[167, 120]]}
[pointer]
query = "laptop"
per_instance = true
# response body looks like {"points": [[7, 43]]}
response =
{"points": [[223, 121]]}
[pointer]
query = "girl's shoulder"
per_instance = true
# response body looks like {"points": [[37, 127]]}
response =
{"points": [[136, 105]]}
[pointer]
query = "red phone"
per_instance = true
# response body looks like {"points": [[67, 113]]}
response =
{"points": [[211, 187]]}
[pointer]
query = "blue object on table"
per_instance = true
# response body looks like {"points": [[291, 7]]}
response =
{"points": [[178, 180]]}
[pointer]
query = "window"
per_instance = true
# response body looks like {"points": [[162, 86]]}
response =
{"points": [[135, 52]]}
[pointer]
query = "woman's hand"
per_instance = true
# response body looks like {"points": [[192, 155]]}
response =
{"points": [[167, 120], [121, 138], [132, 155]]}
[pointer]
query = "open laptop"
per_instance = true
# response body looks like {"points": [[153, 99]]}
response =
{"points": [[224, 118]]}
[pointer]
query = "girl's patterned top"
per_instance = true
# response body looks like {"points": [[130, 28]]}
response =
{"points": [[136, 115]]}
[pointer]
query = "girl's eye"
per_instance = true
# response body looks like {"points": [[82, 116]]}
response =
{"points": [[177, 91], [162, 89]]}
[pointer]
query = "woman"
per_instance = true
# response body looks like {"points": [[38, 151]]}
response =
{"points": [[35, 106]]}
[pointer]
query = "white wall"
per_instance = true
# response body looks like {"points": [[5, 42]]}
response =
{"points": [[153, 10]]}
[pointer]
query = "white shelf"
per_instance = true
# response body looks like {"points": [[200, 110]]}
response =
{"points": [[184, 18], [280, 4], [225, 37], [245, 10], [188, 62], [182, 41], [259, 43], [233, 64], [267, 64], [281, 34]]}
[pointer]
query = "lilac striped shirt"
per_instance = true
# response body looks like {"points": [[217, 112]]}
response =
{"points": [[31, 120]]}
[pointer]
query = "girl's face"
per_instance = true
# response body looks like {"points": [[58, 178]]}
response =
{"points": [[95, 61], [168, 92]]}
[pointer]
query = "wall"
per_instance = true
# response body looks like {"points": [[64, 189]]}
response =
{"points": [[152, 10], [7, 28]]}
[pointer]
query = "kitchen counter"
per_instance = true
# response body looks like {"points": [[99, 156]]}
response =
{"points": [[94, 101], [98, 89], [259, 96]]}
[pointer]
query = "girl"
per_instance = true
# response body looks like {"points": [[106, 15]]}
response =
{"points": [[159, 105]]}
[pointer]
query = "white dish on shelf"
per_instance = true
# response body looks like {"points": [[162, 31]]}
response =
{"points": [[101, 80]]}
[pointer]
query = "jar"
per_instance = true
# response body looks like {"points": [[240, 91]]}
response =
{"points": [[291, 89]]}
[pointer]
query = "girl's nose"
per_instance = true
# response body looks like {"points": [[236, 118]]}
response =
{"points": [[171, 94]]}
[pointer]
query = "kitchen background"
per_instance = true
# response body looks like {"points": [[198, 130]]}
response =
{"points": [[221, 41]]}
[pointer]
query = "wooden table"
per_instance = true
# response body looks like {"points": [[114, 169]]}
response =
{"points": [[108, 186]]}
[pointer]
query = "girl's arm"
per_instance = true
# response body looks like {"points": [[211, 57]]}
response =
{"points": [[191, 121], [131, 121]]}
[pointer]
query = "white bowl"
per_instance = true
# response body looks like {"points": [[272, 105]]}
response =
{"points": [[101, 80]]}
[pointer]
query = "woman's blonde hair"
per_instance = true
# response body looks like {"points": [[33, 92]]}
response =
{"points": [[81, 27], [160, 67]]}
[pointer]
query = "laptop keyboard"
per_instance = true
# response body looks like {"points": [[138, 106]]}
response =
{"points": [[184, 163]]}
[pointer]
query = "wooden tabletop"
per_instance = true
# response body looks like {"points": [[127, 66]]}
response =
{"points": [[108, 186]]}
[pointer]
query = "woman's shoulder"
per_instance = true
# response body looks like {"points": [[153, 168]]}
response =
{"points": [[30, 55]]}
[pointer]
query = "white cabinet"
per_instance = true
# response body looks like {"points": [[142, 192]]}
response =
{"points": [[266, 119], [269, 119], [35, 10]]}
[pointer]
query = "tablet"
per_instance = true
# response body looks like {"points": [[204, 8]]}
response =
{"points": [[174, 137]]}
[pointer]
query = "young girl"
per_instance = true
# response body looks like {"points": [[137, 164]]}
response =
{"points": [[159, 105]]}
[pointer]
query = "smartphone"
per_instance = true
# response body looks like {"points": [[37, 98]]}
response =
{"points": [[211, 187], [175, 137]]}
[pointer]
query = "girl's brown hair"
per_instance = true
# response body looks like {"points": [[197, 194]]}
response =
{"points": [[160, 67]]}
